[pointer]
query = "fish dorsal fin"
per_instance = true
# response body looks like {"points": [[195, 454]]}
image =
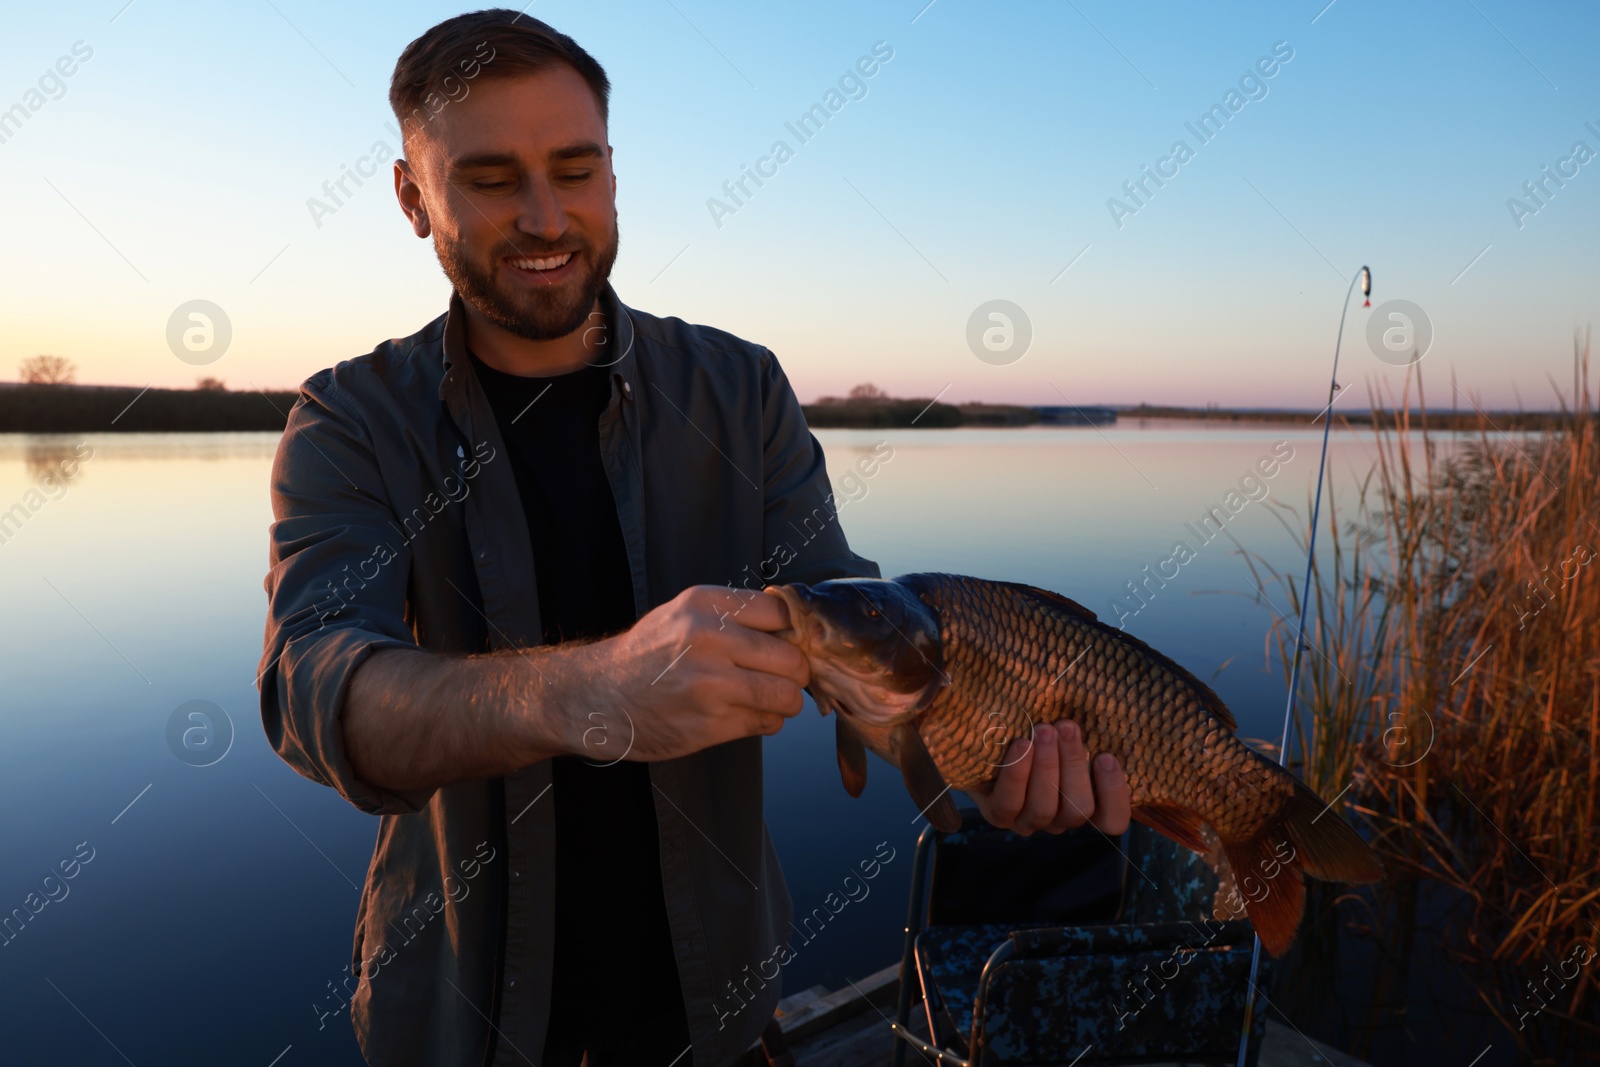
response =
{"points": [[852, 757], [1208, 698], [923, 584], [928, 789], [1055, 599], [1212, 702]]}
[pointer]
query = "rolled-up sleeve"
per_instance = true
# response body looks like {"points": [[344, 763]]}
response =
{"points": [[336, 591], [798, 495]]}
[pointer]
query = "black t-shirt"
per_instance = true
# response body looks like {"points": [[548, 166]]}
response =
{"points": [[613, 946]]}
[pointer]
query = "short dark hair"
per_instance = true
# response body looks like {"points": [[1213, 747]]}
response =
{"points": [[495, 43]]}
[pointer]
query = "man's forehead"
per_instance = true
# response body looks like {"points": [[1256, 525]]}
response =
{"points": [[550, 115]]}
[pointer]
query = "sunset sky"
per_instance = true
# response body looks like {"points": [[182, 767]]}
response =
{"points": [[176, 162]]}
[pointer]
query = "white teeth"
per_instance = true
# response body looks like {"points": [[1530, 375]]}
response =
{"points": [[542, 264]]}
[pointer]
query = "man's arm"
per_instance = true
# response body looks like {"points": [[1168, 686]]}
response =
{"points": [[694, 672], [350, 701], [800, 506]]}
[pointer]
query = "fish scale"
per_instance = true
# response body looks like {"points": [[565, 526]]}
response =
{"points": [[939, 673], [1003, 652]]}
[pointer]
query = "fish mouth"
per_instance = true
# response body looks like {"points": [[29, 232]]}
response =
{"points": [[862, 662], [803, 622], [814, 634]]}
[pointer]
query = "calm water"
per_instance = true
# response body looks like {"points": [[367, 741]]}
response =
{"points": [[218, 901]]}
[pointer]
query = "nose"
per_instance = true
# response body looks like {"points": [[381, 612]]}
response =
{"points": [[542, 215]]}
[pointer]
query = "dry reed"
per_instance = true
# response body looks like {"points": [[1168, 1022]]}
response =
{"points": [[1452, 682]]}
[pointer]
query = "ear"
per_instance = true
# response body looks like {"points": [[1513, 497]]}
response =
{"points": [[408, 191]]}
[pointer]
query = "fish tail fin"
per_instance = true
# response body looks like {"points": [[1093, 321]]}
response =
{"points": [[1327, 847], [1270, 890], [1306, 838]]}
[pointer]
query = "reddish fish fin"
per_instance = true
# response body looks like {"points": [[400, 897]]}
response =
{"points": [[928, 789], [1178, 823], [1327, 847], [1306, 837], [852, 757], [1272, 891], [1055, 599]]}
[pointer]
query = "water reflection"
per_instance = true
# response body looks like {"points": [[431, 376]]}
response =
{"points": [[229, 885]]}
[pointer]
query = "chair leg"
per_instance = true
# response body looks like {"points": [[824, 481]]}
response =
{"points": [[908, 967]]}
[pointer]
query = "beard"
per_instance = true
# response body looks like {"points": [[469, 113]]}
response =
{"points": [[534, 314]]}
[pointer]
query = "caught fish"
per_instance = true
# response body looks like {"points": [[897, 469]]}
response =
{"points": [[939, 673]]}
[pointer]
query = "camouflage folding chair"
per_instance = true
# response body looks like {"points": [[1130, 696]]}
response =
{"points": [[1075, 949]]}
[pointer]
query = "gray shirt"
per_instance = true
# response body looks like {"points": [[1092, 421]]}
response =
{"points": [[399, 525]]}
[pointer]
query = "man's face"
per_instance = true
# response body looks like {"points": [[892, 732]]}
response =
{"points": [[514, 184]]}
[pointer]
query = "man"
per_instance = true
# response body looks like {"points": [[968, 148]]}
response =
{"points": [[503, 613]]}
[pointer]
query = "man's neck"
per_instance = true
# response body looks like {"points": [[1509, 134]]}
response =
{"points": [[511, 354]]}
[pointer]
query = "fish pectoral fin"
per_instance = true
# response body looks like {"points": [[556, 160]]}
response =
{"points": [[924, 782], [1182, 825], [852, 757]]}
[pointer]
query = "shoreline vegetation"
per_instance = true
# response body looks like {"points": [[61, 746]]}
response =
{"points": [[43, 408], [1451, 698], [64, 408]]}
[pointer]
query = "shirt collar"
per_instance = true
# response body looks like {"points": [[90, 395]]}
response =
{"points": [[618, 356]]}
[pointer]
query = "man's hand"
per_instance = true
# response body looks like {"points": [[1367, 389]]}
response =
{"points": [[1046, 783], [699, 670]]}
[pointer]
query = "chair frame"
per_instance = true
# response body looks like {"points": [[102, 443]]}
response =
{"points": [[911, 968]]}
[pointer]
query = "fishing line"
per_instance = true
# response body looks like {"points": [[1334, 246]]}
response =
{"points": [[1364, 276]]}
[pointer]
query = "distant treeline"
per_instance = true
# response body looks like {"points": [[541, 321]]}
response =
{"points": [[1436, 419], [875, 412], [127, 409], [28, 408]]}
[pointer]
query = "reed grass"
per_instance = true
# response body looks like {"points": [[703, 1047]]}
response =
{"points": [[1451, 683]]}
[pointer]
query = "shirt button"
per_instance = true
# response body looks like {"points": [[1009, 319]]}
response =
{"points": [[516, 876], [626, 387], [511, 984], [484, 554], [461, 452]]}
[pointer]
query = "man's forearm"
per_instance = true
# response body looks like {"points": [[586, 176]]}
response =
{"points": [[418, 720], [680, 680]]}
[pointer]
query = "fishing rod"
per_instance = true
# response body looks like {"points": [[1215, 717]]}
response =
{"points": [[1364, 276]]}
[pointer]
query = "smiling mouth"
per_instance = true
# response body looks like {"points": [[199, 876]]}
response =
{"points": [[543, 267]]}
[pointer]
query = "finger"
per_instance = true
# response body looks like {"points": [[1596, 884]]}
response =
{"points": [[757, 651], [749, 609], [1010, 788], [1066, 815], [764, 693], [766, 723], [1077, 791], [1044, 794], [1113, 806]]}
